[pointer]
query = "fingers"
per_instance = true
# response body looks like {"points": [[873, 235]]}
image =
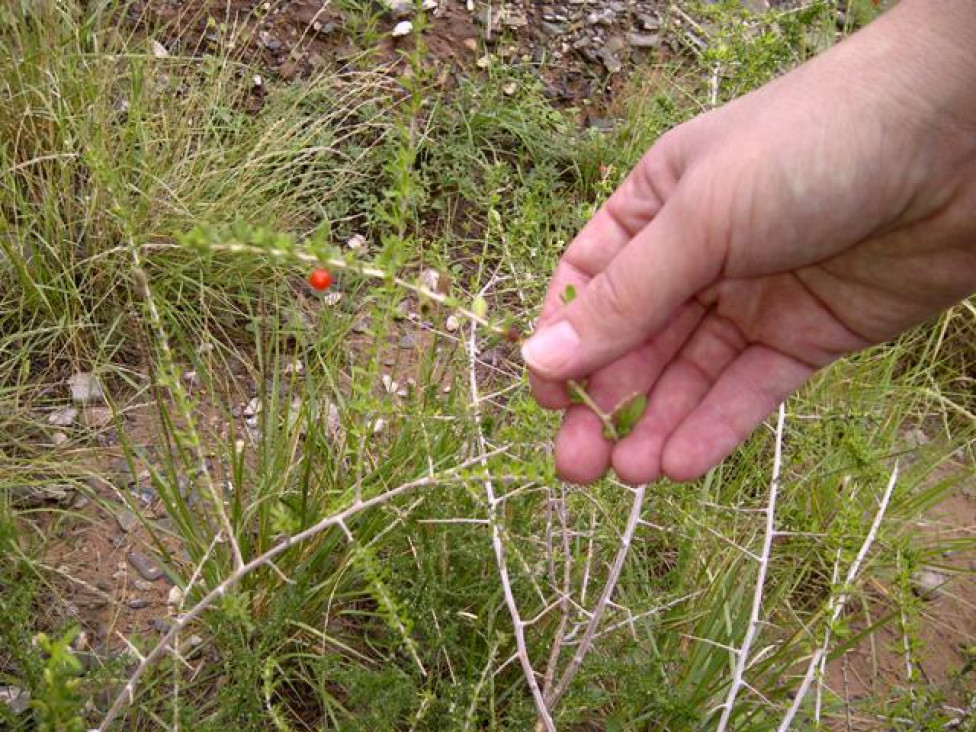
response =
{"points": [[582, 453], [660, 268], [631, 207], [685, 382], [744, 395]]}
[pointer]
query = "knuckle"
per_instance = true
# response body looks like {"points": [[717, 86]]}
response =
{"points": [[609, 299]]}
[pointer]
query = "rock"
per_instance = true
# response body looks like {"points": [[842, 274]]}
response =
{"points": [[58, 439], [484, 62], [324, 29], [552, 30], [161, 625], [430, 278], [127, 520], [85, 388], [510, 88], [361, 326], [610, 61], [408, 341], [159, 50], [146, 567], [17, 700], [175, 597], [356, 242], [401, 29], [644, 40], [514, 19], [142, 585], [37, 495], [63, 417], [138, 603], [98, 417], [928, 583], [400, 9], [269, 41], [379, 426], [452, 323], [916, 438], [402, 310], [252, 409]]}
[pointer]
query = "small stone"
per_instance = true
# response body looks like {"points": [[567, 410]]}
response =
{"points": [[484, 62], [159, 50], [252, 409], [146, 567], [644, 40], [408, 341], [63, 417], [295, 367], [356, 242], [401, 29], [79, 502], [85, 388], [452, 324], [510, 88], [161, 625], [17, 700], [360, 326], [400, 9], [471, 44], [379, 426], [269, 41], [430, 278], [324, 29], [98, 417], [514, 19], [175, 597], [333, 422], [553, 30], [58, 439], [928, 583], [138, 603], [142, 585], [402, 310], [916, 438]]}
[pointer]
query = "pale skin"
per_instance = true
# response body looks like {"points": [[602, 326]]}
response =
{"points": [[753, 245]]}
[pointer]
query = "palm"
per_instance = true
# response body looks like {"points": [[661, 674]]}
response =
{"points": [[753, 254]]}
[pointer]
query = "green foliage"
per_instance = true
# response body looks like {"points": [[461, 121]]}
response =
{"points": [[58, 702], [397, 619]]}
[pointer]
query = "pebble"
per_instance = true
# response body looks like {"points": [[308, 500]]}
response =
{"points": [[644, 40], [928, 583], [403, 28], [63, 417], [58, 439], [175, 596], [146, 567], [360, 326], [98, 417], [356, 242], [407, 341], [17, 700], [127, 520], [452, 323], [85, 388], [159, 50], [138, 603]]}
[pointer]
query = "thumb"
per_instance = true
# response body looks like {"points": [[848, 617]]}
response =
{"points": [[664, 265]]}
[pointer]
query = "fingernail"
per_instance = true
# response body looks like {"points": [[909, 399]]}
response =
{"points": [[551, 347]]}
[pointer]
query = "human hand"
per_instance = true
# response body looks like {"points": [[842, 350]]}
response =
{"points": [[830, 210]]}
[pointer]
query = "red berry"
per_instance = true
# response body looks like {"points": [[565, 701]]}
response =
{"points": [[320, 279]]}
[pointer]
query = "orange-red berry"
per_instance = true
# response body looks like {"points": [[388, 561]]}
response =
{"points": [[320, 279]]}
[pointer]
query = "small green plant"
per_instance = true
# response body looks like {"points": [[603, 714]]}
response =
{"points": [[58, 702]]}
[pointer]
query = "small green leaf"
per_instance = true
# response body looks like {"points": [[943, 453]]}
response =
{"points": [[575, 391], [480, 307], [568, 295], [627, 414]]}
